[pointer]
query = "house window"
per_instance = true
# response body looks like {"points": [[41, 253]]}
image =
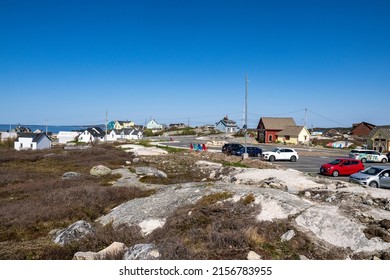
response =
{"points": [[270, 138], [287, 137], [32, 146]]}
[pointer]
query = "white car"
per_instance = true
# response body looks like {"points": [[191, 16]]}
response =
{"points": [[281, 154], [368, 156]]}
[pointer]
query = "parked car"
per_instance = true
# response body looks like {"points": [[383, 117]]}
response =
{"points": [[388, 157], [230, 147], [281, 154], [370, 176], [251, 150], [384, 182], [342, 166], [368, 156]]}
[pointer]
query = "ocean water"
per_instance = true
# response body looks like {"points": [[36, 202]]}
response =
{"points": [[50, 128]]}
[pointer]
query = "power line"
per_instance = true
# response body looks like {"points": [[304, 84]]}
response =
{"points": [[325, 118]]}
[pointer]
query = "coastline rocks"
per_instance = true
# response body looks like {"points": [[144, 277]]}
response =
{"points": [[76, 231], [100, 170], [142, 252], [150, 171]]}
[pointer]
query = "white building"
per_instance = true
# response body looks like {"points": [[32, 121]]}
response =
{"points": [[8, 135], [91, 134], [124, 134], [153, 125], [33, 141], [227, 126], [67, 136]]}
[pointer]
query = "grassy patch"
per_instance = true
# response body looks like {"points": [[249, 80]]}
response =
{"points": [[234, 164], [171, 149]]}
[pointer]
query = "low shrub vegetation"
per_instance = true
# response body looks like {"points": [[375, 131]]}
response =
{"points": [[34, 199]]}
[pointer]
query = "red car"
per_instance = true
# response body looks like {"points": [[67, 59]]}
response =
{"points": [[342, 166]]}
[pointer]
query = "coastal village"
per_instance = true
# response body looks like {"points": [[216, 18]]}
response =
{"points": [[268, 130], [118, 192]]}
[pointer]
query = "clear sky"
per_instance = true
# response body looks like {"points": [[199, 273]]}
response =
{"points": [[67, 62]]}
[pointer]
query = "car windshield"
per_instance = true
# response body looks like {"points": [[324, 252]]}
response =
{"points": [[372, 171], [335, 162]]}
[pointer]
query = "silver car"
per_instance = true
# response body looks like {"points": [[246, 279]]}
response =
{"points": [[370, 176], [384, 182]]}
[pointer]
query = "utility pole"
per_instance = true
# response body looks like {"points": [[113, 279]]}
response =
{"points": [[105, 136], [305, 117], [245, 155]]}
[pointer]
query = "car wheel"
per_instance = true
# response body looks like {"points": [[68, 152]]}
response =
{"points": [[384, 160], [335, 173], [272, 158], [363, 160], [373, 184], [293, 158]]}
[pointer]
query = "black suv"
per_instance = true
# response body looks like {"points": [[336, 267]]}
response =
{"points": [[230, 147]]}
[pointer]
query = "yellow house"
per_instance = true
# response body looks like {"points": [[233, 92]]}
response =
{"points": [[123, 124], [294, 135]]}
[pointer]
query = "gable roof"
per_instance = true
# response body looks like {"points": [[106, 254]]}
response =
{"points": [[36, 137], [384, 130], [370, 125], [273, 123], [291, 131], [96, 131], [226, 122]]}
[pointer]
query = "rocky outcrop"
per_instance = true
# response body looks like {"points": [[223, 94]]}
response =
{"points": [[76, 231], [138, 150], [149, 171], [142, 252], [70, 175], [328, 212], [100, 170], [114, 251]]}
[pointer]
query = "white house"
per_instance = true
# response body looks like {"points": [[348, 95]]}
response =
{"points": [[67, 136], [33, 141], [226, 125], [136, 134], [124, 134], [91, 134], [153, 125]]}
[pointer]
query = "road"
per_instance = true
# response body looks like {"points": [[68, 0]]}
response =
{"points": [[310, 159]]}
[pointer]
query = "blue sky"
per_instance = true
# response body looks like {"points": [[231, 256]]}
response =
{"points": [[68, 62]]}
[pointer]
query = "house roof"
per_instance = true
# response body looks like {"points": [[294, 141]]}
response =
{"points": [[291, 131], [277, 123], [363, 123], [96, 131], [228, 123], [384, 130], [36, 137]]}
